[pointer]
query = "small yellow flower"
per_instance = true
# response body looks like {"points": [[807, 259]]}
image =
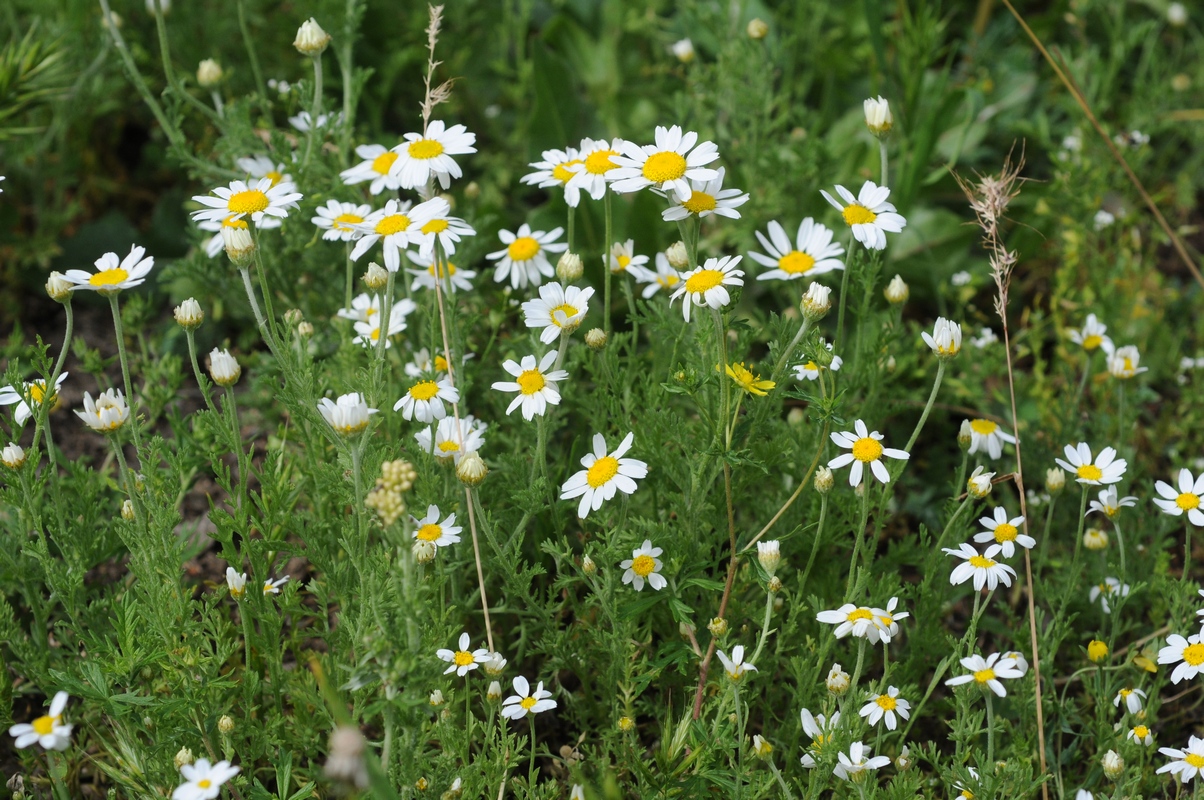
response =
{"points": [[747, 381]]}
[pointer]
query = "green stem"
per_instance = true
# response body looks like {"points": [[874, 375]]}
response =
{"points": [[531, 766], [249, 43], [990, 730], [936, 387], [125, 371], [259, 318], [172, 132], [606, 260], [819, 535], [859, 534], [382, 341], [785, 356], [43, 417], [781, 782], [315, 112], [739, 743], [196, 369], [350, 283], [246, 631], [572, 225], [764, 627], [1187, 552], [358, 501], [882, 158], [1078, 537], [467, 721], [852, 692], [168, 72], [844, 293], [949, 525]]}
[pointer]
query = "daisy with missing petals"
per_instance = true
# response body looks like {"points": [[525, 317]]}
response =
{"points": [[524, 259], [705, 285], [393, 226], [866, 448], [623, 258], [1140, 734], [987, 437], [887, 707], [1123, 362], [440, 534], [554, 170], [856, 762], [1187, 763], [1092, 336], [363, 308], [1111, 587], [32, 392], [453, 277], [984, 569], [857, 620], [435, 224], [1187, 653], [812, 253], [422, 155], [604, 474], [887, 619], [111, 275], [462, 660], [665, 277], [1176, 503], [48, 730], [868, 214], [820, 731], [424, 400], [368, 332], [734, 667], [449, 443], [809, 370], [644, 565], [1131, 698], [558, 310], [273, 586], [1110, 502], [524, 701], [202, 780], [422, 364], [747, 381], [669, 164], [1103, 470], [348, 415], [260, 199], [376, 166], [987, 673], [339, 220], [704, 199], [596, 170], [1004, 532], [535, 384]]}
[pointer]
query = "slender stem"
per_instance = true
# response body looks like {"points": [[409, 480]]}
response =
{"points": [[246, 632], [936, 387], [764, 627], [882, 158], [777, 774], [467, 721], [259, 318], [990, 730], [844, 293], [852, 692], [217, 103], [350, 283], [201, 383], [473, 502], [43, 417], [382, 339], [531, 767], [1078, 537], [819, 536], [357, 502], [127, 58], [168, 72], [125, 371], [249, 43], [949, 525], [739, 743], [572, 225], [859, 534], [606, 209], [315, 112], [1186, 551], [785, 356]]}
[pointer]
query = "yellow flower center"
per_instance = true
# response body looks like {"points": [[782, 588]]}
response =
{"points": [[983, 426], [562, 173], [424, 390], [447, 268], [204, 783], [699, 202], [251, 201], [1005, 533], [344, 222], [981, 562], [886, 702], [984, 675], [383, 162], [449, 446], [796, 262], [567, 310], [44, 725], [867, 449], [1089, 472], [375, 335], [1195, 760], [643, 565], [811, 366], [528, 703], [857, 214], [1128, 367], [602, 471], [440, 361], [110, 277], [37, 390], [1125, 692], [463, 658], [1187, 501], [234, 222], [430, 532], [425, 148], [436, 226], [599, 163], [668, 281], [702, 280], [1194, 654], [531, 381], [666, 166], [1093, 341], [623, 261], [1142, 731], [275, 176], [859, 614], [967, 794], [394, 223], [524, 248]]}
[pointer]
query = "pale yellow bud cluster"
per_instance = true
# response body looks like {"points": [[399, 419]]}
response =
{"points": [[387, 499]]}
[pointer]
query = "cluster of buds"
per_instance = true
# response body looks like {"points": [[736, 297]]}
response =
{"points": [[387, 499]]}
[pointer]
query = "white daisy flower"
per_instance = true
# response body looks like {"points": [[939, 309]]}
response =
{"points": [[48, 730], [304, 121], [735, 667], [1140, 734], [1176, 503], [273, 586], [442, 534], [887, 707], [107, 413], [985, 339], [363, 308], [868, 214], [524, 259], [422, 156], [983, 568], [1111, 587], [558, 310], [453, 277], [987, 673], [623, 258], [34, 392], [1187, 653], [987, 437], [554, 170], [665, 277], [644, 565], [1004, 532], [376, 166], [809, 370], [339, 220], [979, 482], [437, 224], [368, 333], [887, 619], [705, 285], [866, 448], [421, 364], [1110, 502], [424, 400], [596, 169], [1132, 698], [535, 384], [347, 415], [669, 164], [1187, 763], [1123, 362], [820, 731], [259, 199], [946, 338], [202, 780], [1105, 469], [449, 441], [1092, 335], [704, 199], [236, 582], [604, 474], [112, 275], [1018, 657], [966, 793], [258, 167], [524, 701], [812, 253], [857, 620], [393, 226], [462, 660], [857, 761]]}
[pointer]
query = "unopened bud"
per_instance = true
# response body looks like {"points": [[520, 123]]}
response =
{"points": [[770, 556], [795, 417], [494, 693], [761, 747], [209, 73], [626, 724], [346, 761], [1114, 765], [896, 291], [58, 287], [436, 698], [837, 681], [311, 39], [240, 247], [903, 762], [1095, 539], [824, 480], [225, 725], [473, 190], [757, 28], [816, 302], [569, 268], [424, 551], [1097, 651], [224, 368], [588, 566], [127, 510], [965, 436], [376, 278], [305, 330], [678, 255], [183, 758], [293, 317], [979, 484], [1055, 480], [717, 626], [189, 315], [13, 456], [471, 470], [877, 116], [595, 339], [775, 584]]}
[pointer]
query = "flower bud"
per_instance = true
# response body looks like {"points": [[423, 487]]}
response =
{"points": [[305, 330], [311, 39], [127, 510], [346, 761], [495, 666], [1097, 651], [761, 747], [494, 693], [13, 456], [209, 73], [595, 339], [816, 302], [1095, 539], [569, 268], [225, 725], [837, 681], [436, 698], [183, 758], [757, 28], [965, 436], [1055, 480], [588, 566], [775, 585], [293, 317], [1176, 15], [945, 341], [224, 368], [824, 480], [58, 287], [1114, 765], [896, 291], [684, 50], [903, 762], [877, 116], [795, 417], [472, 191], [770, 556], [421, 784], [717, 626], [471, 470], [626, 724], [376, 278], [679, 257], [189, 315], [424, 551], [979, 483], [240, 247]]}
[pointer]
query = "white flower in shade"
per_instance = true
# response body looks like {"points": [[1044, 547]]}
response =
{"points": [[1111, 587], [224, 368], [670, 164], [1176, 14], [453, 277], [735, 667], [1140, 734], [368, 333], [339, 220], [1110, 502], [1018, 657], [462, 660], [453, 440], [857, 620], [983, 568], [107, 413], [1187, 500], [495, 665], [202, 780], [376, 166], [623, 258], [258, 167], [644, 565], [393, 226], [865, 448], [812, 253], [877, 115], [888, 707], [809, 370], [683, 49], [524, 259], [1004, 532], [706, 285], [524, 701], [30, 392], [347, 415], [1123, 362], [966, 793], [704, 199], [987, 673], [596, 170], [577, 792], [422, 156], [273, 586], [946, 338], [260, 200], [665, 277], [1186, 764], [869, 214], [304, 121], [556, 169], [1187, 653], [422, 364], [1095, 539], [1103, 470], [363, 308], [1092, 335], [236, 582], [13, 456], [535, 383], [1132, 699], [558, 310], [48, 730], [113, 275], [1103, 219], [984, 339], [857, 761], [820, 731], [987, 437], [440, 534], [424, 400], [438, 225], [604, 474], [979, 482], [887, 619]]}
